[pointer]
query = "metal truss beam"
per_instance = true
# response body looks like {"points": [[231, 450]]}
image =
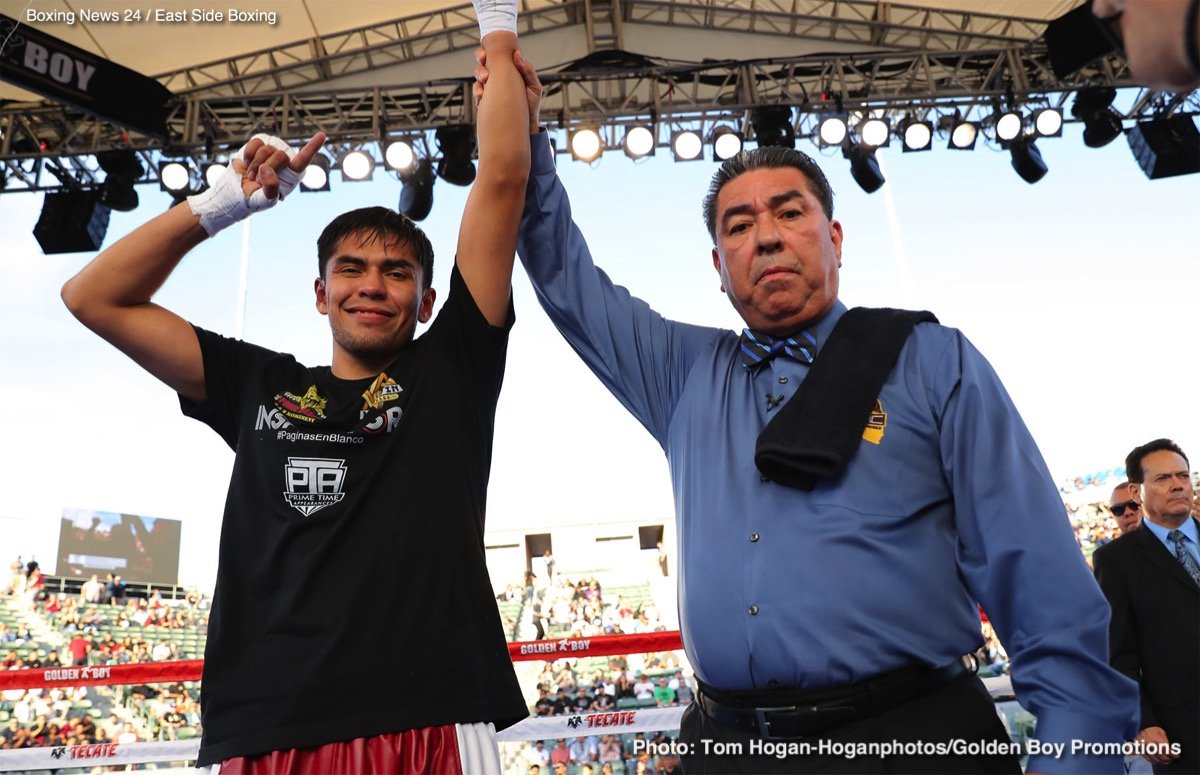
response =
{"points": [[47, 146], [879, 25]]}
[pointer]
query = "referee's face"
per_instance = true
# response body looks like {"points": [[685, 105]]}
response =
{"points": [[777, 254]]}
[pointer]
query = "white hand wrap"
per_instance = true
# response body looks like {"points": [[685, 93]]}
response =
{"points": [[495, 15], [224, 204]]}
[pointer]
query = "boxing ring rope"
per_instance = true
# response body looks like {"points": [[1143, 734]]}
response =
{"points": [[532, 728]]}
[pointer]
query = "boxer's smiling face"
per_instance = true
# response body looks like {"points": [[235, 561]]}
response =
{"points": [[374, 294]]}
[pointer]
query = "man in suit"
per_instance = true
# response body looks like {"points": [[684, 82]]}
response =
{"points": [[1126, 506], [1151, 577]]}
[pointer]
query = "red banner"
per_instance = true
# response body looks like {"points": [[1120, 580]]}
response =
{"points": [[102, 675], [190, 670], [601, 645]]}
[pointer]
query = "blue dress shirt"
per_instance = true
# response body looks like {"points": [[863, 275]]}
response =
{"points": [[1188, 528], [947, 504]]}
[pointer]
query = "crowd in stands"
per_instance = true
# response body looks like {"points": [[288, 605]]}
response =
{"points": [[101, 625], [105, 625]]}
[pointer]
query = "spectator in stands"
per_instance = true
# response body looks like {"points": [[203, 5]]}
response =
{"points": [[583, 749], [582, 701], [609, 749], [644, 688], [560, 754], [562, 703], [114, 590], [536, 754], [664, 695], [92, 590], [603, 701], [35, 582], [544, 706], [79, 647], [1126, 505], [623, 686]]}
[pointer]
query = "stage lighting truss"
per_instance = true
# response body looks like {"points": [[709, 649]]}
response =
{"points": [[686, 145], [639, 141], [585, 144], [357, 166], [831, 130], [726, 143], [917, 135]]}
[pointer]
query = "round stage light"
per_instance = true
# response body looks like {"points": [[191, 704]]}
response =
{"points": [[174, 176], [1008, 126], [586, 145], [639, 141], [832, 130], [687, 146], [357, 165], [399, 155]]}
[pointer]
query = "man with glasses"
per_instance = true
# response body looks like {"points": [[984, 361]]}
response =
{"points": [[1126, 506]]}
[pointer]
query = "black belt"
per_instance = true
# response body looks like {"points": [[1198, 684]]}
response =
{"points": [[783, 714]]}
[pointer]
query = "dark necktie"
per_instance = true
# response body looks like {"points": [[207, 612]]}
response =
{"points": [[757, 348], [1184, 556]]}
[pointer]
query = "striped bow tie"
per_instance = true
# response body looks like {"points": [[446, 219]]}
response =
{"points": [[758, 348]]}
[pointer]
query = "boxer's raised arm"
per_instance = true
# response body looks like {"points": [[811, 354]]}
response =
{"points": [[487, 237], [111, 295]]}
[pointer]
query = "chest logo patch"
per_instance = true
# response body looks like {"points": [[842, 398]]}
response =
{"points": [[876, 423], [314, 483], [382, 390], [309, 407]]}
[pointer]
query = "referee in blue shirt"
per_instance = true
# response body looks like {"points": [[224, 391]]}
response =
{"points": [[828, 623]]}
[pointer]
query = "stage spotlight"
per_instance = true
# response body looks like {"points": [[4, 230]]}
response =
{"points": [[1027, 160], [416, 195], [639, 142], [173, 176], [917, 134], [398, 155], [832, 130], [772, 125], [1048, 122], [457, 144], [357, 165], [963, 135], [686, 145], [1101, 124], [864, 167], [726, 143], [1165, 147], [585, 144], [1008, 125], [316, 174], [211, 171], [875, 132], [123, 170]]}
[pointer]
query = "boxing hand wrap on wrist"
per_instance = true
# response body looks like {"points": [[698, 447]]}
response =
{"points": [[495, 15], [224, 204]]}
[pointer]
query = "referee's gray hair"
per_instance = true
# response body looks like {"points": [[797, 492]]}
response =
{"points": [[769, 157]]}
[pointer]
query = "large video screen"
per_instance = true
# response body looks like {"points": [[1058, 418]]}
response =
{"points": [[133, 547]]}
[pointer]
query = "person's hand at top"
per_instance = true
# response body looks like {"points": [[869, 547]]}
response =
{"points": [[1161, 39], [533, 86], [262, 173]]}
